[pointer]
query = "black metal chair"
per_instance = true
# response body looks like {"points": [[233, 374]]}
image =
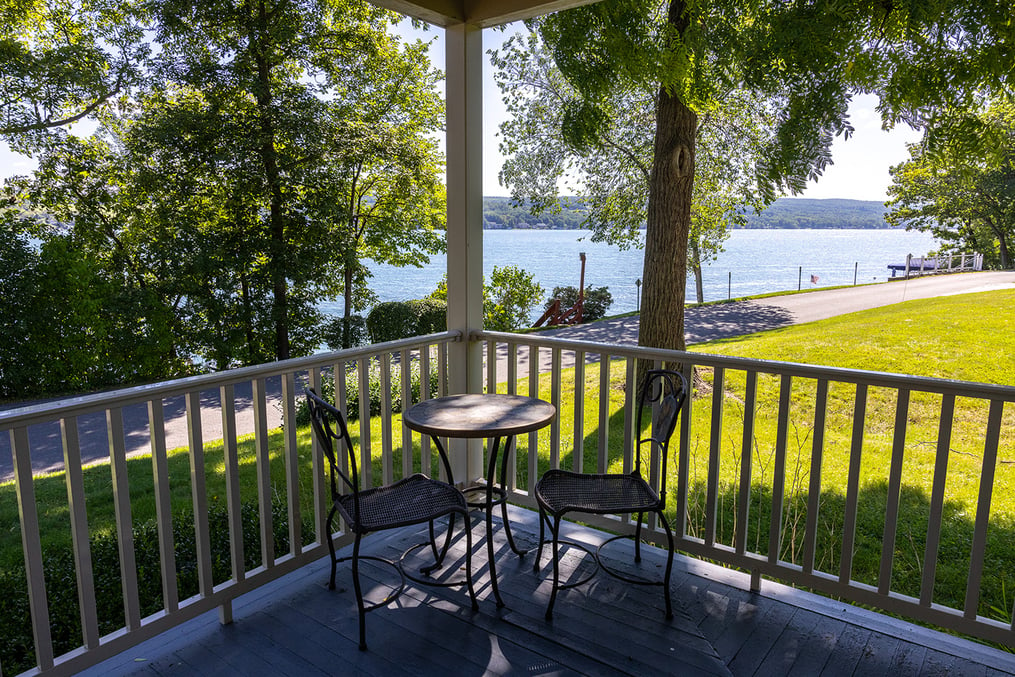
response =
{"points": [[412, 500], [560, 492]]}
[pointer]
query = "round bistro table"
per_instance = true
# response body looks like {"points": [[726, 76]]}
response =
{"points": [[495, 417]]}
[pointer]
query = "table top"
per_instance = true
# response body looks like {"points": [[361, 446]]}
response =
{"points": [[479, 415]]}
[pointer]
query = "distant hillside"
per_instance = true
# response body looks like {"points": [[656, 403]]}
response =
{"points": [[498, 213], [803, 213]]}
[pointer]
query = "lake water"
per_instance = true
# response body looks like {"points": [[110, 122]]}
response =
{"points": [[753, 262]]}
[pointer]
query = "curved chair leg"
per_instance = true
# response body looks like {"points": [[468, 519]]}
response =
{"points": [[468, 563], [637, 537], [331, 547], [669, 565], [556, 567], [438, 555], [359, 595], [542, 534]]}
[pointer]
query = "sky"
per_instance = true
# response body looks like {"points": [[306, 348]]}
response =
{"points": [[859, 170]]}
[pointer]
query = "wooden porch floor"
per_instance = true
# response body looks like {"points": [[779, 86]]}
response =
{"points": [[296, 626]]}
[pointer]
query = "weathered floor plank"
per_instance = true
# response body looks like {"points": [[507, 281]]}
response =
{"points": [[296, 626]]}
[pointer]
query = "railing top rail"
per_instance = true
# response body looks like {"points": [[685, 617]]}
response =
{"points": [[939, 386], [71, 406]]}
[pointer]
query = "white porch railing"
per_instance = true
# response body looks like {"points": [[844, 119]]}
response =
{"points": [[303, 490], [803, 489], [823, 443]]}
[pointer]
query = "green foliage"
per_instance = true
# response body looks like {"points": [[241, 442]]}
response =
{"points": [[346, 332], [431, 315], [62, 61], [592, 83], [508, 298], [17, 653], [963, 193], [597, 301], [253, 169], [392, 320]]}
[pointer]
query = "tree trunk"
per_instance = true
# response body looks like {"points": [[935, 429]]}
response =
{"points": [[696, 269], [260, 44], [664, 278]]}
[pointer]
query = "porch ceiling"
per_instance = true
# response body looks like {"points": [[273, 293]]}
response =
{"points": [[481, 13]]}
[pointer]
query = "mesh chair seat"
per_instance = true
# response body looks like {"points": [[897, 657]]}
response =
{"points": [[413, 500], [561, 491]]}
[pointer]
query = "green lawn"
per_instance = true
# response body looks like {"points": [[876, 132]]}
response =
{"points": [[967, 337]]}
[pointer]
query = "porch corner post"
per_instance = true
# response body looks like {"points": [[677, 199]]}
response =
{"points": [[464, 81]]}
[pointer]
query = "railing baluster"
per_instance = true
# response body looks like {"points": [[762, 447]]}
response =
{"points": [[512, 368], [322, 494], [894, 492], [425, 450], [264, 494], [814, 487], [163, 505], [533, 446], [79, 531], [491, 366], [603, 449], [979, 547], [684, 452], [714, 447], [630, 434], [292, 463], [511, 481], [406, 374], [32, 545], [853, 484], [746, 458], [442, 367], [232, 478], [199, 494], [366, 453], [124, 523], [578, 434], [387, 462], [555, 388], [937, 499], [342, 403], [779, 470]]}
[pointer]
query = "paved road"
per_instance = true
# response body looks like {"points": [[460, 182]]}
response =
{"points": [[701, 324], [726, 320]]}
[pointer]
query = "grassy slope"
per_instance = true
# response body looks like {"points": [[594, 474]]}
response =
{"points": [[967, 337]]}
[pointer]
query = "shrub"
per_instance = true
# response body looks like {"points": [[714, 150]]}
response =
{"points": [[390, 321], [374, 387], [508, 298], [431, 315], [597, 301], [336, 327]]}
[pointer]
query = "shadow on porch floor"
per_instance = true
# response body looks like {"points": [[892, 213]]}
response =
{"points": [[296, 626]]}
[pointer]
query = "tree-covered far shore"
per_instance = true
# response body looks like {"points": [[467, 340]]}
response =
{"points": [[499, 213]]}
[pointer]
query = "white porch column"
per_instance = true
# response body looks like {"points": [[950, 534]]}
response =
{"points": [[464, 65]]}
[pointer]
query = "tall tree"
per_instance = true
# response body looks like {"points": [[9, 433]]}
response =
{"points": [[806, 57], [226, 186], [963, 194], [612, 173]]}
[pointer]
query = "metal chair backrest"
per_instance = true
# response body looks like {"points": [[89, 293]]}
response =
{"points": [[663, 391], [329, 428]]}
